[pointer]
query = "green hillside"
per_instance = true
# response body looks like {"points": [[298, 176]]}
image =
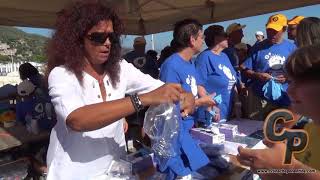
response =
{"points": [[30, 47]]}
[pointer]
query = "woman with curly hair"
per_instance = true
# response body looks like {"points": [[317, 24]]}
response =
{"points": [[87, 83]]}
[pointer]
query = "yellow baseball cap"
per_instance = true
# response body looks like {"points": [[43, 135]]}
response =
{"points": [[234, 27], [295, 20], [277, 22]]}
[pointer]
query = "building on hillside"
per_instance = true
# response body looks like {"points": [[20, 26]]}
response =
{"points": [[5, 50], [9, 67]]}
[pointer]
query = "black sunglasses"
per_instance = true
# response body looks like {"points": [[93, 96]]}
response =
{"points": [[101, 37]]}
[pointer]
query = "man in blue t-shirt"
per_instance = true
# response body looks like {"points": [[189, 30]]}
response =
{"points": [[178, 68], [267, 60]]}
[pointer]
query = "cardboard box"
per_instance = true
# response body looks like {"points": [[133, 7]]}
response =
{"points": [[229, 130], [207, 136]]}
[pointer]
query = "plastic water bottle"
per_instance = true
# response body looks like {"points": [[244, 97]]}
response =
{"points": [[48, 110], [28, 119], [34, 126], [237, 108]]}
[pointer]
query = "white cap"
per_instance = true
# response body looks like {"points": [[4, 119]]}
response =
{"points": [[260, 33], [25, 88]]}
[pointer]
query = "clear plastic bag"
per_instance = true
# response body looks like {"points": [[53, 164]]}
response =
{"points": [[118, 170], [161, 123]]}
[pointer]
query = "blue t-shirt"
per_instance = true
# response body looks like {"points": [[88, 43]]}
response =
{"points": [[218, 76], [270, 58], [177, 70]]}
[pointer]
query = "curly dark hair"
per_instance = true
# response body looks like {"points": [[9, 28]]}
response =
{"points": [[67, 44]]}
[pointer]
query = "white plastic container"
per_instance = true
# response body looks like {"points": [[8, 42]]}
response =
{"points": [[8, 124]]}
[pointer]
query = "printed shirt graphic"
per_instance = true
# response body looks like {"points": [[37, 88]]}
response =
{"points": [[143, 63], [191, 81], [269, 58], [138, 60], [276, 63], [218, 76]]}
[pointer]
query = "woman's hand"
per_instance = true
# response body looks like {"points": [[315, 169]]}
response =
{"points": [[216, 117], [263, 77], [164, 94], [187, 104], [170, 93], [243, 91], [269, 158], [206, 100], [125, 126]]}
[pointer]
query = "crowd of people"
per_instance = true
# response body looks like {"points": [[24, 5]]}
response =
{"points": [[98, 94]]}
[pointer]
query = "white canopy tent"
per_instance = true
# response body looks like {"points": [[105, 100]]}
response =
{"points": [[143, 17]]}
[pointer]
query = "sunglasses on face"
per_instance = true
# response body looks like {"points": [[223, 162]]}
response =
{"points": [[101, 37]]}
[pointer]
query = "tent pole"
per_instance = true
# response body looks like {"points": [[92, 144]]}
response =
{"points": [[152, 41]]}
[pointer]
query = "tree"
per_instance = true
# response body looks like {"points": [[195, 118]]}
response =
{"points": [[26, 44], [38, 58], [4, 59]]}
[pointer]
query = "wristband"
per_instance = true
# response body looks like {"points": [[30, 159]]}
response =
{"points": [[136, 102]]}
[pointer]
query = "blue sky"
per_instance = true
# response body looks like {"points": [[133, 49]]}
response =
{"points": [[253, 23]]}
